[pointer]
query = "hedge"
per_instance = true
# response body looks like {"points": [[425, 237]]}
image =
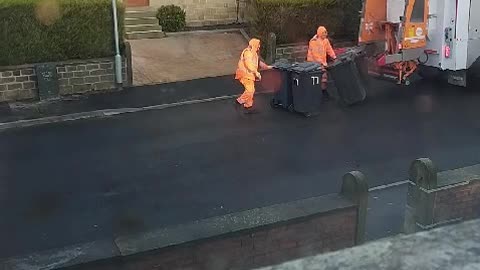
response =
{"points": [[35, 31], [297, 20]]}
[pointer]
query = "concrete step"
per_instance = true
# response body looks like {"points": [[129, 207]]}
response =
{"points": [[149, 34], [141, 20], [142, 27], [140, 13]]}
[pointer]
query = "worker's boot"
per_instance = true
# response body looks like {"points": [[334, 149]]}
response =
{"points": [[250, 110], [236, 103]]}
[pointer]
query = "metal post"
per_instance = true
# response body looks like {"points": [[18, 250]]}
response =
{"points": [[118, 58]]}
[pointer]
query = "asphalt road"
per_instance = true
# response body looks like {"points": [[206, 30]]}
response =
{"points": [[79, 181]]}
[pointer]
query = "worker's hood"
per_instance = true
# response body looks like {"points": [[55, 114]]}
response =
{"points": [[254, 43], [321, 31]]}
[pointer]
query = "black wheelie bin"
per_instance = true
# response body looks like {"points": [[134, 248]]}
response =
{"points": [[306, 88], [349, 77], [279, 81]]}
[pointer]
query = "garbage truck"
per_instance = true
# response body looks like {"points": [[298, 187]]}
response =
{"points": [[403, 38]]}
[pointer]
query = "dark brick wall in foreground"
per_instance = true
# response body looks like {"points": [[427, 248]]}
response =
{"points": [[457, 202], [264, 246]]}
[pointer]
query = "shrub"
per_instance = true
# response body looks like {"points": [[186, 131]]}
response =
{"points": [[33, 31], [171, 18], [297, 20]]}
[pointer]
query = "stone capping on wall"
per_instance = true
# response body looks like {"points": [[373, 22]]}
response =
{"points": [[60, 63], [229, 225], [451, 247], [7, 68], [423, 173], [253, 219], [438, 198]]}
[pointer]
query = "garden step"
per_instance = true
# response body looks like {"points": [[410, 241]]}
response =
{"points": [[141, 20], [140, 13], [149, 34], [142, 27]]}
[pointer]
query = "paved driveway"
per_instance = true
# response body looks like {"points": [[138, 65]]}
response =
{"points": [[186, 56]]}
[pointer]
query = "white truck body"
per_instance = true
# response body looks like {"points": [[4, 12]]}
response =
{"points": [[453, 40]]}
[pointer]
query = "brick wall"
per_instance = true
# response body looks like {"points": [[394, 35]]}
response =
{"points": [[251, 249], [265, 247], [207, 12], [457, 202], [436, 199], [450, 247], [292, 52], [20, 82], [94, 75]]}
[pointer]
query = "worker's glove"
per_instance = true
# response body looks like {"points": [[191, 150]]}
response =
{"points": [[258, 75]]}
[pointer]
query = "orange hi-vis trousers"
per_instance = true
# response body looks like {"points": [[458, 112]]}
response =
{"points": [[247, 97]]}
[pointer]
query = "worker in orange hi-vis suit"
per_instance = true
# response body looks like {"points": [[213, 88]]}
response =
{"points": [[319, 48], [247, 72]]}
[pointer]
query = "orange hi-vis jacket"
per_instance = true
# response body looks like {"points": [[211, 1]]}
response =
{"points": [[319, 48], [249, 61]]}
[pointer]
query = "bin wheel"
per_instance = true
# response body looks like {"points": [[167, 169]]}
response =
{"points": [[273, 104], [407, 82], [291, 108]]}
